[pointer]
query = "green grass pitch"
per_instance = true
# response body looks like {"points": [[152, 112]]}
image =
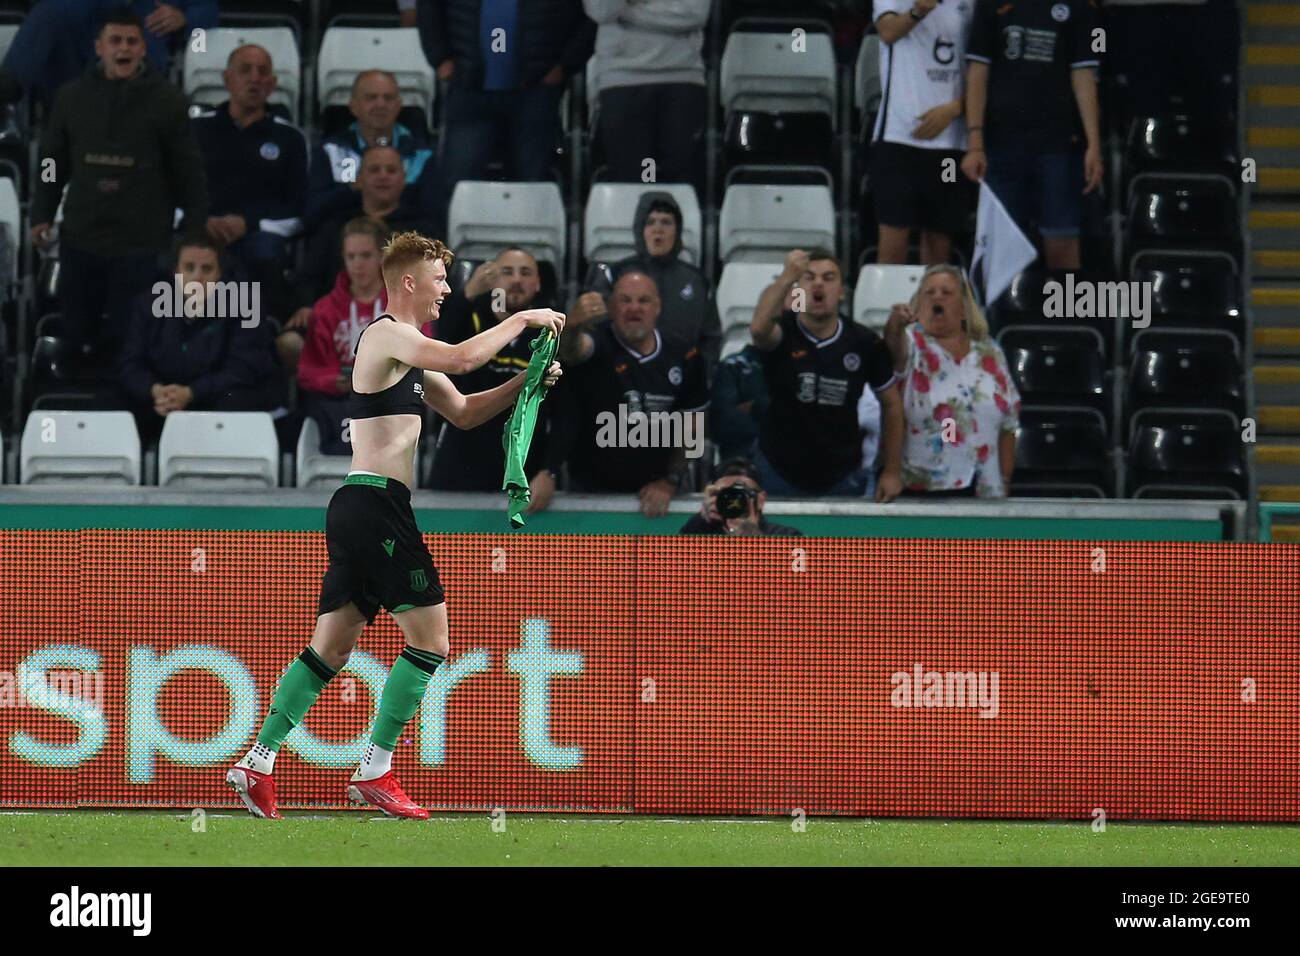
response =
{"points": [[168, 838]]}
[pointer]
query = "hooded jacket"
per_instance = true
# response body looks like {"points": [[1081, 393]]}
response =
{"points": [[688, 316], [126, 153], [337, 320]]}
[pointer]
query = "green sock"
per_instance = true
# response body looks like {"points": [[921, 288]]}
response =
{"points": [[298, 690], [403, 692]]}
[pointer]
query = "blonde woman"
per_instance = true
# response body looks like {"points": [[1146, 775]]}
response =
{"points": [[960, 407]]}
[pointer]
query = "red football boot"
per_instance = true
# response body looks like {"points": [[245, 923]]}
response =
{"points": [[257, 790], [386, 794]]}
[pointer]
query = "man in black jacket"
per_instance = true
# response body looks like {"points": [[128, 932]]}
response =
{"points": [[203, 362], [119, 139], [689, 318], [506, 63]]}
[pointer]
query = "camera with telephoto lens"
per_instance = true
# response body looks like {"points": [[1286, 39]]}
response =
{"points": [[733, 501]]}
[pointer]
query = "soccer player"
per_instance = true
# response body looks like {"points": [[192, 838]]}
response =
{"points": [[376, 553]]}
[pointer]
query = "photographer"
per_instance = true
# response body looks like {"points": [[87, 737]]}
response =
{"points": [[733, 504]]}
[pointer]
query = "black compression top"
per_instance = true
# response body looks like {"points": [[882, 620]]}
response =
{"points": [[404, 397]]}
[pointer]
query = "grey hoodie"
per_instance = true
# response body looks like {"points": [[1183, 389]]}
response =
{"points": [[647, 41], [688, 316]]}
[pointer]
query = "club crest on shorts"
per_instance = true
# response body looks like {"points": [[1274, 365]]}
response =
{"points": [[1060, 12], [852, 362], [419, 581]]}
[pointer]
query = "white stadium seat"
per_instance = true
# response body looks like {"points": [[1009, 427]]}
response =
{"points": [[607, 231], [7, 33], [202, 73], [348, 51], [880, 288], [11, 218], [866, 76], [763, 223], [739, 287], [765, 71], [218, 450], [100, 448], [486, 217], [314, 469]]}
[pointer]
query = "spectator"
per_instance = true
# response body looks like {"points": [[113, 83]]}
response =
{"points": [[1031, 95], [650, 78], [621, 368], [690, 316], [960, 404], [337, 320], [506, 63], [739, 403], [733, 504], [58, 39], [381, 186], [334, 190], [919, 134], [119, 139], [474, 459], [816, 366], [256, 169], [203, 362]]}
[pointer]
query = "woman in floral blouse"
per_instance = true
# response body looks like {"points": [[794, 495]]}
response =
{"points": [[960, 406]]}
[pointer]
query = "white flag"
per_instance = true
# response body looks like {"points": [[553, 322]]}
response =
{"points": [[999, 245]]}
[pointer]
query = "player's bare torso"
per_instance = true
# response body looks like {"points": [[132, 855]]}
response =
{"points": [[385, 445]]}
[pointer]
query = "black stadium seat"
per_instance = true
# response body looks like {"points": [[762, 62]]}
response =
{"points": [[1179, 143], [1056, 365], [1167, 211], [1185, 368], [1023, 304], [1184, 453], [753, 138], [1192, 290], [1061, 453]]}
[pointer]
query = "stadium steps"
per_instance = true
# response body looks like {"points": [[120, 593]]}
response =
{"points": [[1272, 131]]}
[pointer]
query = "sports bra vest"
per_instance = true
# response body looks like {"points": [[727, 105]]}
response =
{"points": [[404, 397]]}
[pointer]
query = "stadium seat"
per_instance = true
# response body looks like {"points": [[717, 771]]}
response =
{"points": [[1167, 211], [767, 15], [11, 219], [763, 223], [218, 450], [7, 33], [486, 217], [765, 72], [1057, 364], [866, 78], [771, 142], [292, 14], [347, 51], [1190, 289], [739, 289], [1179, 143], [735, 339], [1023, 303], [202, 73], [1185, 368], [86, 447], [879, 288], [607, 229], [1186, 453], [1061, 452], [315, 470]]}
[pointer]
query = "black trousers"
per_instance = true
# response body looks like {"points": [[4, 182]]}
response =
{"points": [[660, 121]]}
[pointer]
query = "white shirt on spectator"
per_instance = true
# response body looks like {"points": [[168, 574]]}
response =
{"points": [[921, 71]]}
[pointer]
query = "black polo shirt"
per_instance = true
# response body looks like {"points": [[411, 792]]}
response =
{"points": [[258, 172], [474, 459], [810, 433], [614, 376], [1032, 47]]}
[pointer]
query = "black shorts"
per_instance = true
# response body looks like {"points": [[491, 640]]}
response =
{"points": [[377, 554], [909, 190]]}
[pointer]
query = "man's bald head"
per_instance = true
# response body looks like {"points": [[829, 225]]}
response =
{"points": [[249, 77], [635, 307]]}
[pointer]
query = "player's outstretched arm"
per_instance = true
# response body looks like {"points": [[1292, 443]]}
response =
{"points": [[410, 347], [470, 411]]}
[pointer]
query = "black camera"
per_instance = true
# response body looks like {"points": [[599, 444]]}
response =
{"points": [[733, 501]]}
